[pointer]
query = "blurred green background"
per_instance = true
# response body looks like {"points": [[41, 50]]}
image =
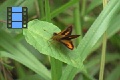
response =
{"points": [[21, 61]]}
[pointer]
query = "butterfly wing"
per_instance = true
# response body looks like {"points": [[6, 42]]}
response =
{"points": [[68, 44], [69, 37], [65, 37], [66, 32]]}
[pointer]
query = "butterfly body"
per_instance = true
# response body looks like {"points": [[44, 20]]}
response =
{"points": [[57, 37], [65, 37]]}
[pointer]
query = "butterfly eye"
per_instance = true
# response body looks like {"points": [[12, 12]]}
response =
{"points": [[54, 33]]}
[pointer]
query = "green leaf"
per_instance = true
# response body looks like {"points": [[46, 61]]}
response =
{"points": [[18, 52], [97, 29], [39, 35], [41, 71]]}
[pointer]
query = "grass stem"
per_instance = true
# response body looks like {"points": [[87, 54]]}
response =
{"points": [[102, 65]]}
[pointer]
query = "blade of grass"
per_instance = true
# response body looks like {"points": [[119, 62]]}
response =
{"points": [[100, 25], [62, 8], [112, 30], [19, 53], [114, 26]]}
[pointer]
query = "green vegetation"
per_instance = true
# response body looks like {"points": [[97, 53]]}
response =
{"points": [[31, 54]]}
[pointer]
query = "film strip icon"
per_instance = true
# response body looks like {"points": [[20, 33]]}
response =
{"points": [[17, 17]]}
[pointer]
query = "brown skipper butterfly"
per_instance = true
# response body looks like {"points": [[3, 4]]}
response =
{"points": [[65, 37]]}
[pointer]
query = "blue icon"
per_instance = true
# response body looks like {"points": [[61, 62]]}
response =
{"points": [[17, 17]]}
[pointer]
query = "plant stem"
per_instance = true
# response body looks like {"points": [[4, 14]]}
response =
{"points": [[62, 8], [56, 65], [83, 8], [41, 8], [102, 65], [47, 11], [56, 68], [78, 28]]}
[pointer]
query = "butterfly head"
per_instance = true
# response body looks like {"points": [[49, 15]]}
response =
{"points": [[54, 34]]}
